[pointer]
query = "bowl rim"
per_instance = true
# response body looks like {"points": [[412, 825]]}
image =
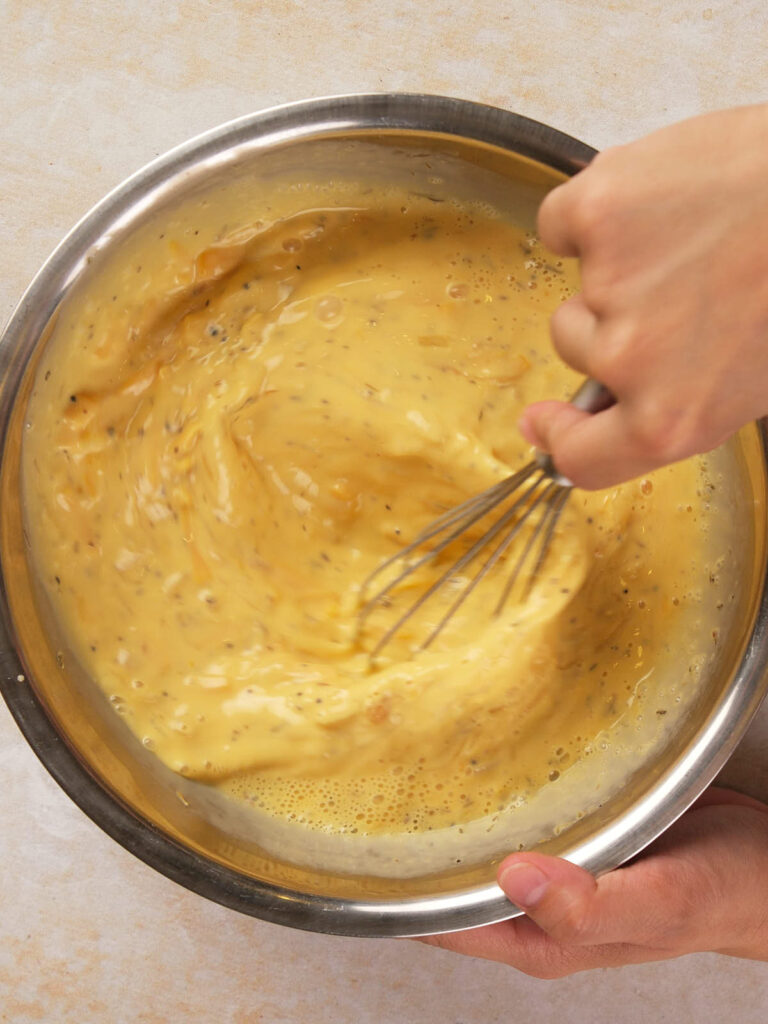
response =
{"points": [[426, 115]]}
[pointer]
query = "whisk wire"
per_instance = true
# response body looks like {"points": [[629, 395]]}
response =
{"points": [[466, 559], [491, 561], [546, 530], [544, 503], [543, 533], [466, 514]]}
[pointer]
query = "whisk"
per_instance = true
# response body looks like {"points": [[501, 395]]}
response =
{"points": [[536, 487]]}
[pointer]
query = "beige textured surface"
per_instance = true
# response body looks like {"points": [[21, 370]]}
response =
{"points": [[88, 93]]}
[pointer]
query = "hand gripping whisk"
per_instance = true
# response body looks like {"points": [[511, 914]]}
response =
{"points": [[536, 491]]}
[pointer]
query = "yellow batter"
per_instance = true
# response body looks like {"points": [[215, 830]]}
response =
{"points": [[227, 438]]}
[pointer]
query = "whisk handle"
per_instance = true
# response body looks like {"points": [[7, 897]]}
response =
{"points": [[593, 396]]}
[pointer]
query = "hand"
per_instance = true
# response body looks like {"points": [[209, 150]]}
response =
{"points": [[703, 886], [671, 236]]}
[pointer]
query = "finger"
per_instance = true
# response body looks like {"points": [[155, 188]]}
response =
{"points": [[543, 423], [572, 327], [624, 907], [719, 796], [521, 944], [559, 897], [702, 886], [554, 221], [592, 450]]}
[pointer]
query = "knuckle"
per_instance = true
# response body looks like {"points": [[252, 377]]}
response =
{"points": [[548, 961], [548, 971], [593, 208], [601, 286], [611, 358], [678, 892], [662, 431], [560, 321], [562, 330], [602, 367], [553, 208], [548, 210], [573, 924]]}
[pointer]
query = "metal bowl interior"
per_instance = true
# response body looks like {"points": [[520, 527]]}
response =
{"points": [[441, 147]]}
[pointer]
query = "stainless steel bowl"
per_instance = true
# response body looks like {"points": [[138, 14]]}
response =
{"points": [[465, 149]]}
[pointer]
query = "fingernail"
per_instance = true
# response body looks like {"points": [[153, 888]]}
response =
{"points": [[524, 883]]}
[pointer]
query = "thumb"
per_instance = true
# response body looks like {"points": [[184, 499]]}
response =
{"points": [[701, 886], [544, 423], [593, 450], [646, 904], [560, 897]]}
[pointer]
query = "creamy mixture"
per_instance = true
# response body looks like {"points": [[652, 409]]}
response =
{"points": [[230, 432]]}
